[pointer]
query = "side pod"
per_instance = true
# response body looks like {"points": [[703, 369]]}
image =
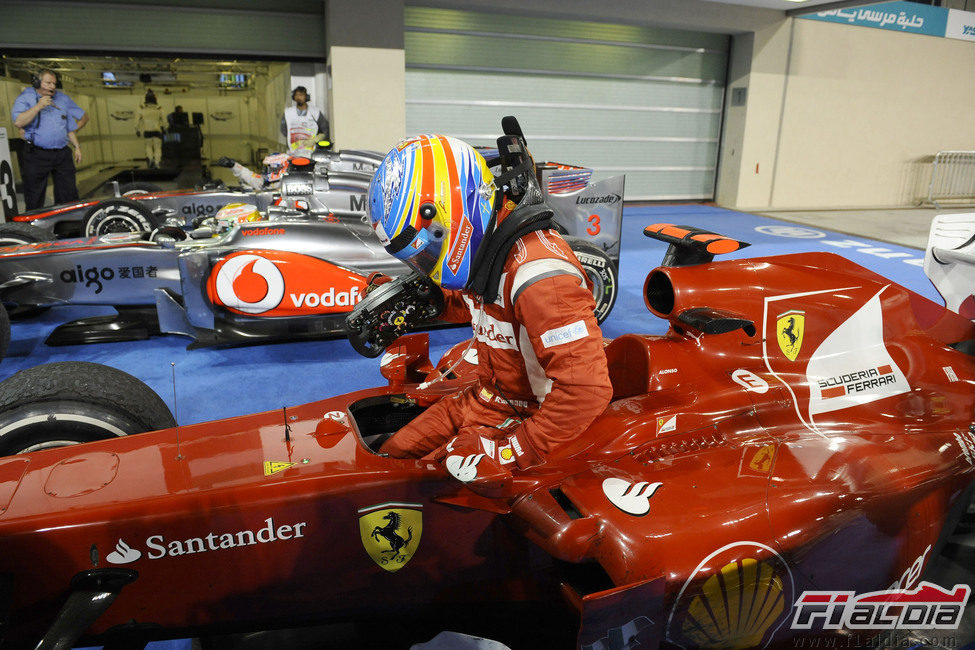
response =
{"points": [[92, 592]]}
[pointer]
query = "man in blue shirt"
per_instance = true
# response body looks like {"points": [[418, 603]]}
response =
{"points": [[48, 119]]}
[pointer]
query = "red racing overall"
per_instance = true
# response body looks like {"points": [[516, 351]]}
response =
{"points": [[542, 374]]}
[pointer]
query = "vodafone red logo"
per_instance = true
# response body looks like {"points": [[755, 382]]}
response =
{"points": [[272, 284], [250, 284]]}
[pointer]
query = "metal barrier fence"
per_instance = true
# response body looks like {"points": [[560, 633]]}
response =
{"points": [[952, 177]]}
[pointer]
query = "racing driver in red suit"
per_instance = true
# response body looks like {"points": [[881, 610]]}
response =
{"points": [[542, 373]]}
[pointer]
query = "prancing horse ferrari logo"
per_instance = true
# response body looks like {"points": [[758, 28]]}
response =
{"points": [[391, 533], [789, 328]]}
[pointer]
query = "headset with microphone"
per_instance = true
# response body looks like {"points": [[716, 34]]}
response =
{"points": [[35, 78]]}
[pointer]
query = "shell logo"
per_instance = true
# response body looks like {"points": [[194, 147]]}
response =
{"points": [[249, 283], [738, 597]]}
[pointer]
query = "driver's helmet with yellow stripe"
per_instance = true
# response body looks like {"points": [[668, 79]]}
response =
{"points": [[430, 202]]}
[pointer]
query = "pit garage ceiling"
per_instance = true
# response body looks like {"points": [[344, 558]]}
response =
{"points": [[291, 29]]}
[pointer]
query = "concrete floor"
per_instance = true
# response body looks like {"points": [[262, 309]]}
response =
{"points": [[903, 226]]}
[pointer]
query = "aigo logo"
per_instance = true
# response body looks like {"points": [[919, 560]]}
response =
{"points": [[281, 283]]}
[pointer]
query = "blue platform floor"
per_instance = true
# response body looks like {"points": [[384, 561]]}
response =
{"points": [[213, 383]]}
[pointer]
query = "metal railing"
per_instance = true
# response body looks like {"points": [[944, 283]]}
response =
{"points": [[952, 177]]}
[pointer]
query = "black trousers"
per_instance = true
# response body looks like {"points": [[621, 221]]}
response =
{"points": [[41, 163]]}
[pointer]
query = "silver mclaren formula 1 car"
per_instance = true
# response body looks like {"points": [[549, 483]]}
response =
{"points": [[295, 274], [338, 180]]}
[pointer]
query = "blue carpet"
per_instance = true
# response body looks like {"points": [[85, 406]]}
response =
{"points": [[213, 383]]}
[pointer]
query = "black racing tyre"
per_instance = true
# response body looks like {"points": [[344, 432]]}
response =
{"points": [[117, 215], [4, 331], [70, 402], [601, 271], [137, 188], [15, 234]]}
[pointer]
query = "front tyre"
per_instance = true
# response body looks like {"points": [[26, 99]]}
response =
{"points": [[601, 272], [70, 402], [117, 215]]}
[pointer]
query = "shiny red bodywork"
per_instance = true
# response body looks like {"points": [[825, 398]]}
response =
{"points": [[723, 474]]}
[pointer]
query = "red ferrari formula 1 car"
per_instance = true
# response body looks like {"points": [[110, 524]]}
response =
{"points": [[800, 440]]}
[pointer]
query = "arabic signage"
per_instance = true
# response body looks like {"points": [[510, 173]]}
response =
{"points": [[907, 17]]}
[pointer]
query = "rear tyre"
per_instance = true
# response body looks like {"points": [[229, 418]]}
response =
{"points": [[117, 215], [602, 273], [70, 402]]}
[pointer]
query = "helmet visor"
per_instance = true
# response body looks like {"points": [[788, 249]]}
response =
{"points": [[422, 252]]}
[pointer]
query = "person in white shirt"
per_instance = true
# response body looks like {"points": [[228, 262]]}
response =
{"points": [[303, 121]]}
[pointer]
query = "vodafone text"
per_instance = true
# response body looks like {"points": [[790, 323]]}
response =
{"points": [[330, 298]]}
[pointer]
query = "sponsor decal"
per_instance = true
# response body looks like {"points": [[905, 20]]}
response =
{"points": [[273, 467], [926, 607], [390, 533], [794, 232], [122, 116], [459, 249], [281, 283], [967, 443], [856, 382], [735, 598], [667, 424], [199, 210], [852, 366], [750, 381], [591, 260], [631, 498], [157, 546], [789, 328], [95, 276], [255, 232], [292, 188], [357, 202], [463, 468], [608, 199], [123, 554], [222, 116], [249, 283], [756, 460], [565, 334], [497, 334], [327, 299], [950, 373]]}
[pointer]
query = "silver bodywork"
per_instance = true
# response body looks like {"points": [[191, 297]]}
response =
{"points": [[340, 182], [335, 250]]}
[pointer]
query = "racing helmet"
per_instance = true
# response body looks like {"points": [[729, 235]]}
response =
{"points": [[430, 202], [275, 165], [233, 213]]}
